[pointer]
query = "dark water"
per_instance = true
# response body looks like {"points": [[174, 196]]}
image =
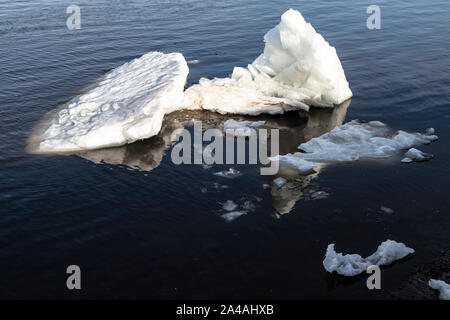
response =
{"points": [[140, 227]]}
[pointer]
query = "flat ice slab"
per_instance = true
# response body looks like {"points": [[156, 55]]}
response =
{"points": [[298, 68], [444, 288], [128, 104], [353, 264], [353, 141]]}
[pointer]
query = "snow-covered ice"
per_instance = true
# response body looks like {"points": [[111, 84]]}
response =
{"points": [[353, 264], [414, 154], [298, 68], [242, 128], [352, 141], [355, 139], [444, 288], [128, 104]]}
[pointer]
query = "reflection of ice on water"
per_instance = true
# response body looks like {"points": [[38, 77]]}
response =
{"points": [[294, 129], [299, 186]]}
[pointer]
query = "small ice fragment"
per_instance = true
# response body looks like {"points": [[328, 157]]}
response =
{"points": [[230, 173], [194, 61], [386, 210], [295, 161], [229, 205], [204, 190], [430, 131], [353, 264], [279, 182], [443, 288], [416, 155], [242, 128], [230, 216], [318, 195], [248, 206], [406, 160], [265, 186]]}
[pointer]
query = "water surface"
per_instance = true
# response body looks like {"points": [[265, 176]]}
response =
{"points": [[141, 227]]}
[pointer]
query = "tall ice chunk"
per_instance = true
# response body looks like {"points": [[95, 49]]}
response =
{"points": [[297, 69]]}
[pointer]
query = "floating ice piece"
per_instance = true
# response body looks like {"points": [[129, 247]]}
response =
{"points": [[296, 162], [265, 186], [230, 173], [298, 68], [356, 139], [128, 104], [430, 131], [352, 141], [242, 128], [414, 154], [386, 210], [444, 288], [319, 195], [353, 264], [230, 216], [248, 206], [279, 182], [194, 61], [229, 205]]}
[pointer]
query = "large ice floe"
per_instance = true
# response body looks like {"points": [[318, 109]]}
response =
{"points": [[128, 104], [353, 264], [443, 287], [352, 141], [298, 68]]}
